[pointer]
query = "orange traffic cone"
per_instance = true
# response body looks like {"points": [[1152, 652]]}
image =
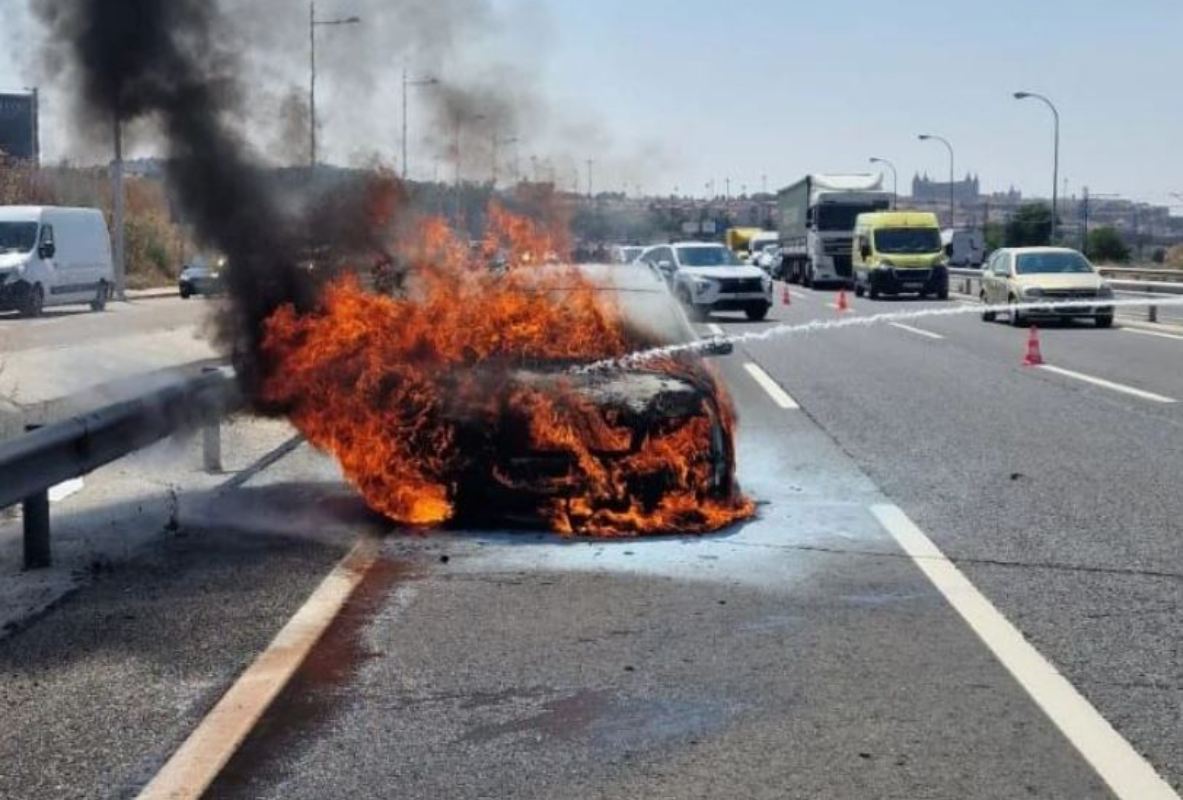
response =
{"points": [[1034, 355], [786, 297], [843, 303]]}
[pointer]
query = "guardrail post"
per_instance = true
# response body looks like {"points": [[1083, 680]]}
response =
{"points": [[35, 510], [1152, 313], [211, 438]]}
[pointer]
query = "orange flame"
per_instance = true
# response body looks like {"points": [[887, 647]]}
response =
{"points": [[416, 395]]}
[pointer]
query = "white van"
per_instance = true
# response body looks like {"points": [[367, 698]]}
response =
{"points": [[53, 256]]}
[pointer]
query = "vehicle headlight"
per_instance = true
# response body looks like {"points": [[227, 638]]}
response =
{"points": [[1105, 291], [886, 262], [702, 286], [1032, 291], [215, 275], [766, 282]]}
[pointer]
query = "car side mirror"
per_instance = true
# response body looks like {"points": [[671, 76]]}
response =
{"points": [[665, 266], [47, 250]]}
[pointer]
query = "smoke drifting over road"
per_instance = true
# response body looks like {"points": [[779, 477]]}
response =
{"points": [[166, 62]]}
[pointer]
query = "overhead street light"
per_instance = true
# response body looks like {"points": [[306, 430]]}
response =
{"points": [[406, 84], [313, 24], [925, 137], [895, 180], [1056, 154]]}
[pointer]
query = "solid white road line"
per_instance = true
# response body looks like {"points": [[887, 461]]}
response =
{"points": [[1141, 332], [778, 395], [194, 766], [715, 328], [1128, 774], [1117, 387], [917, 331]]}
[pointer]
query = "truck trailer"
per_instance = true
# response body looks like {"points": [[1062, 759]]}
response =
{"points": [[817, 216]]}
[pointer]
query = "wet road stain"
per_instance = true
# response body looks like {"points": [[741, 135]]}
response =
{"points": [[313, 696], [606, 719]]}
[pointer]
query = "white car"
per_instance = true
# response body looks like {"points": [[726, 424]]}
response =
{"points": [[707, 277], [53, 256]]}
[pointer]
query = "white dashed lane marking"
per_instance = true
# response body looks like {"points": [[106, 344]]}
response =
{"points": [[774, 390], [1111, 385], [1128, 774], [917, 331]]}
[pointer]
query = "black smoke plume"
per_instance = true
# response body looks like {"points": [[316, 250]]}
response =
{"points": [[164, 61]]}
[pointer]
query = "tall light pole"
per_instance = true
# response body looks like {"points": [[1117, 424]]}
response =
{"points": [[590, 163], [895, 180], [407, 82], [117, 210], [925, 137], [313, 24], [1055, 157]]}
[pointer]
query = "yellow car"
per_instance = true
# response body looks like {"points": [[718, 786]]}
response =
{"points": [[1015, 275]]}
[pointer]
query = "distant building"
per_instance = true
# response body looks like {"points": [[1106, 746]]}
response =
{"points": [[926, 189]]}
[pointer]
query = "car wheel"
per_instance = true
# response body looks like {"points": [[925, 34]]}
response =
{"points": [[807, 277], [943, 294], [757, 313], [872, 291], [1104, 320], [102, 295], [1016, 317], [987, 316], [858, 289], [34, 301], [186, 292]]}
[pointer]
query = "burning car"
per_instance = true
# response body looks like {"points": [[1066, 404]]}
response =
{"points": [[472, 401]]}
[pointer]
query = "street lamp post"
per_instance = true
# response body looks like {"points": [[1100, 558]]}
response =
{"points": [[1056, 154], [924, 137], [408, 83], [895, 180], [313, 24]]}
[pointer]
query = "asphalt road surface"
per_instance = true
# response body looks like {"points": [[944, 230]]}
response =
{"points": [[825, 649]]}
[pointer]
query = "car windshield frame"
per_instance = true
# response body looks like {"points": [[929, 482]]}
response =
{"points": [[1056, 262], [726, 257], [908, 241], [15, 233]]}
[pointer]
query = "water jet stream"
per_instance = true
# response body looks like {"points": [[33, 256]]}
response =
{"points": [[817, 326]]}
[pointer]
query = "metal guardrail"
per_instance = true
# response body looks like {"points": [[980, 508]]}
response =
{"points": [[1158, 272], [967, 281], [44, 457]]}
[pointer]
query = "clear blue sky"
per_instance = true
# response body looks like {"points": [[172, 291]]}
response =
{"points": [[683, 92], [783, 88]]}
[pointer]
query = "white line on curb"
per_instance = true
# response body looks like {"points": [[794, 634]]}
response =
{"points": [[1129, 775], [1117, 387], [917, 331], [715, 328], [65, 489], [778, 395], [197, 763]]}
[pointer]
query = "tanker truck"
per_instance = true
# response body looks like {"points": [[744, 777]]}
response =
{"points": [[816, 225]]}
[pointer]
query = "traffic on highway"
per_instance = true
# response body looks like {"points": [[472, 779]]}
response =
{"points": [[375, 421]]}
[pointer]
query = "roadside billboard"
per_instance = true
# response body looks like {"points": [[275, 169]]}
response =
{"points": [[18, 126]]}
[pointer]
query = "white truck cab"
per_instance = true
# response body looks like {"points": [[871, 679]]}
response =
{"points": [[53, 256]]}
